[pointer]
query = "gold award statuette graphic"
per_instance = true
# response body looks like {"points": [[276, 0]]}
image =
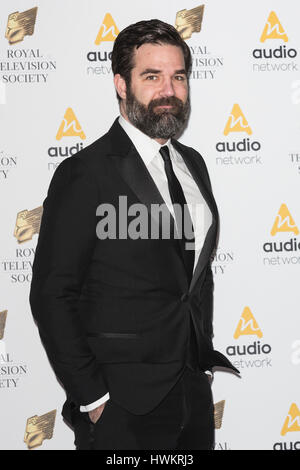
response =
{"points": [[284, 222], [247, 325], [189, 21], [39, 428], [27, 224], [20, 25], [237, 122], [70, 126], [292, 421], [108, 30], [3, 316], [273, 29], [218, 413]]}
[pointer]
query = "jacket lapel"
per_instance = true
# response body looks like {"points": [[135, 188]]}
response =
{"points": [[134, 172]]}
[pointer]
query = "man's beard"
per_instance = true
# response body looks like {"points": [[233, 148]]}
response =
{"points": [[157, 123]]}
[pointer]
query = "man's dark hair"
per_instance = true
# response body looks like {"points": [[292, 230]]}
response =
{"points": [[144, 32]]}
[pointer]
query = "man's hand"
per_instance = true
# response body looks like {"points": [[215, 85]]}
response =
{"points": [[95, 414]]}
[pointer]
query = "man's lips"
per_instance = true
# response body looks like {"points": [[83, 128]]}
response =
{"points": [[164, 107]]}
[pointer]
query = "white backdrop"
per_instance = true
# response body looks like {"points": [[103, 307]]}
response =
{"points": [[241, 69]]}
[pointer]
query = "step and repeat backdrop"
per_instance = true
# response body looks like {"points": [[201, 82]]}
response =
{"points": [[57, 96]]}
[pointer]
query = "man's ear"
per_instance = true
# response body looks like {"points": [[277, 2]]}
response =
{"points": [[120, 85]]}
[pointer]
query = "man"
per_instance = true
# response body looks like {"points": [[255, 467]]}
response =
{"points": [[126, 320]]}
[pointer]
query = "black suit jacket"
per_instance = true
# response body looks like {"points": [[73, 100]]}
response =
{"points": [[114, 315]]}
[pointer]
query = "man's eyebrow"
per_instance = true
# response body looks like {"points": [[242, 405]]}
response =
{"points": [[146, 71], [180, 72], [156, 71]]}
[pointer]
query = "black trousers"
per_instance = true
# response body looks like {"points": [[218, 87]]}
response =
{"points": [[184, 420]]}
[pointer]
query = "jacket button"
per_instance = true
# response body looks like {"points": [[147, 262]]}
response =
{"points": [[184, 297]]}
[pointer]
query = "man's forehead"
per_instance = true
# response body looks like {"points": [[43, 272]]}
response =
{"points": [[157, 53]]}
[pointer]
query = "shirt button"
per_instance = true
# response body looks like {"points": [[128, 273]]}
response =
{"points": [[184, 297]]}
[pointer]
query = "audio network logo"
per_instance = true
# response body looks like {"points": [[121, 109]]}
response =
{"points": [[287, 250], [236, 151], [291, 424], [248, 326], [24, 65], [107, 34], [273, 30], [69, 127], [204, 64]]}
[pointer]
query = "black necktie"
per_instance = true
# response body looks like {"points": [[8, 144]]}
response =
{"points": [[182, 214]]}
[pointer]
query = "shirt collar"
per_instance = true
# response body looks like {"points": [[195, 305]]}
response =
{"points": [[147, 148]]}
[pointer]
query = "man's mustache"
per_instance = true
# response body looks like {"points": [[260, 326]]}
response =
{"points": [[166, 101]]}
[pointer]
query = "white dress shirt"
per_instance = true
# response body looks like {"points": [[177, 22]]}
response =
{"points": [[201, 215]]}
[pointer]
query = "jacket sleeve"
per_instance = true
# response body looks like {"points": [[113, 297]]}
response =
{"points": [[64, 249]]}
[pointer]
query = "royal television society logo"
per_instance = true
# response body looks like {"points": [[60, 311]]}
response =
{"points": [[69, 127], [20, 25], [8, 163], [24, 64], [221, 259], [3, 316], [291, 424], [28, 224], [218, 418], [205, 63], [278, 57], [3, 356], [39, 428], [99, 61], [218, 413], [246, 352], [11, 372], [189, 21], [18, 269], [234, 150], [284, 248]]}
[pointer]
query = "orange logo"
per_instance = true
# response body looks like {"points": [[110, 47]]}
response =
{"points": [[273, 29], [247, 325], [292, 421], [70, 126], [284, 222], [108, 30], [237, 122]]}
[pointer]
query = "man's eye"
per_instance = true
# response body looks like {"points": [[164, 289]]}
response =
{"points": [[180, 77], [151, 77]]}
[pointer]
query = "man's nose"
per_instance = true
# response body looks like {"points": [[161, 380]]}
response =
{"points": [[167, 88]]}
